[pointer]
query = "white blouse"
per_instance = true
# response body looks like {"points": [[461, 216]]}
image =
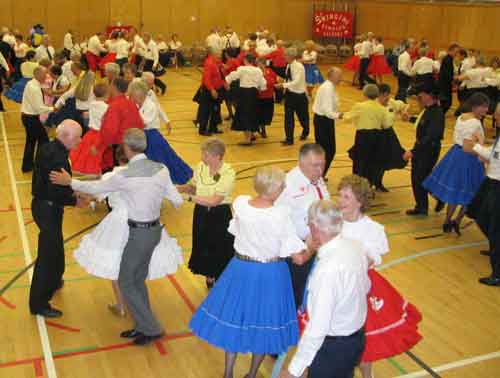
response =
{"points": [[122, 48], [378, 49], [150, 114], [370, 234], [357, 49], [477, 77], [249, 77], [309, 57], [263, 234], [96, 113], [466, 130]]}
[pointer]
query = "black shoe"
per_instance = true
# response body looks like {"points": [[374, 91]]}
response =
{"points": [[447, 227], [439, 206], [303, 137], [382, 189], [163, 90], [205, 133], [49, 312], [131, 334], [195, 122], [416, 212], [485, 253], [144, 339], [456, 227], [490, 281], [286, 143]]}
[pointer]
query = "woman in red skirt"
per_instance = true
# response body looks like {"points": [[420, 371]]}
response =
{"points": [[392, 323], [92, 157], [378, 66], [353, 63]]}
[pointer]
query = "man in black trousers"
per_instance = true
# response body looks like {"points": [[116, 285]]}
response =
{"points": [[425, 153], [325, 109], [47, 208], [296, 101], [364, 61], [446, 73]]}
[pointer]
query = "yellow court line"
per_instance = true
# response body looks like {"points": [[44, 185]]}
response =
{"points": [[28, 259]]}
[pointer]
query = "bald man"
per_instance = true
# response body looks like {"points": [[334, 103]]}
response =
{"points": [[47, 208]]}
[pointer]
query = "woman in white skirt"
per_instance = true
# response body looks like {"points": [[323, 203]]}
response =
{"points": [[100, 252]]}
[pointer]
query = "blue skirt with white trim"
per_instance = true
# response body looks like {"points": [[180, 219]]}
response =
{"points": [[456, 178], [250, 309]]}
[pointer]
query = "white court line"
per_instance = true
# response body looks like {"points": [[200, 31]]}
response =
{"points": [[453, 365], [42, 328]]}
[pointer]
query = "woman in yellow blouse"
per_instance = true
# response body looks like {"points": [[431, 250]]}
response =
{"points": [[210, 190]]}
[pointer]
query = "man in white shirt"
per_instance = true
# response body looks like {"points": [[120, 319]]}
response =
{"points": [[138, 47], [404, 74], [32, 107], [214, 40], [365, 52], [485, 207], [143, 185], [295, 97], [423, 69], [68, 43], [304, 185], [75, 57], [231, 42], [95, 48], [325, 109], [45, 50], [333, 339], [151, 57]]}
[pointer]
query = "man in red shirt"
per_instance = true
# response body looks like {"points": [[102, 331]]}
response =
{"points": [[278, 65], [122, 114], [211, 94]]}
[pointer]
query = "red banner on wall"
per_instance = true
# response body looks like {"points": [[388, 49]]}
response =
{"points": [[333, 24]]}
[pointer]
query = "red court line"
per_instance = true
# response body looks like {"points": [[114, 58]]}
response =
{"points": [[7, 303], [60, 326], [160, 347], [182, 293], [37, 365], [19, 362]]}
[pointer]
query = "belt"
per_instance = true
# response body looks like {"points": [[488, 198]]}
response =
{"points": [[247, 258], [134, 224], [357, 333]]}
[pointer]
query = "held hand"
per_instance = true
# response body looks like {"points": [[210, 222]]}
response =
{"points": [[60, 178], [82, 202], [407, 156], [468, 145], [214, 94]]}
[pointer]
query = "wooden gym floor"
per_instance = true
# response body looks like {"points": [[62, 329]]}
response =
{"points": [[438, 273]]}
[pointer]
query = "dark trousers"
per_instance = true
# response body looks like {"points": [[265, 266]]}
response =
{"points": [[403, 85], [49, 265], [324, 134], [338, 356], [121, 62], [148, 67], [422, 164], [296, 103], [363, 75], [36, 135], [299, 274], [445, 100], [208, 112]]}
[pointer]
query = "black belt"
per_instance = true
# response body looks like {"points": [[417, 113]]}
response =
{"points": [[357, 333], [134, 224]]}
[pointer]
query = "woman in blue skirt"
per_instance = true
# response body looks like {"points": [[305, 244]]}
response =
{"points": [[158, 148], [251, 308], [313, 74], [15, 93], [458, 176]]}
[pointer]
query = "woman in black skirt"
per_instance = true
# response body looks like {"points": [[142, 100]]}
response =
{"points": [[251, 82], [265, 102], [210, 190]]}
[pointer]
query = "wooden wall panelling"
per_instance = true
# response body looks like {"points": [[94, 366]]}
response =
{"points": [[243, 17], [128, 12], [6, 16], [62, 15], [93, 16], [184, 20], [297, 19], [156, 17], [28, 13], [270, 15], [213, 13]]}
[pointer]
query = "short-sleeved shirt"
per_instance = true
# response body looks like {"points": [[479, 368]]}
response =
{"points": [[208, 185]]}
